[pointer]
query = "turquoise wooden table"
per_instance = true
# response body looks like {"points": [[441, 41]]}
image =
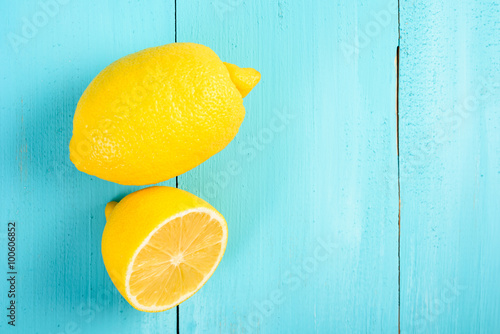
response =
{"points": [[361, 193]]}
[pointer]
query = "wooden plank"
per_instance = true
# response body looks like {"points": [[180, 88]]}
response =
{"points": [[62, 283], [450, 167], [309, 185]]}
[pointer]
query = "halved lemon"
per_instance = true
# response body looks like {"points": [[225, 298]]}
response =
{"points": [[160, 245]]}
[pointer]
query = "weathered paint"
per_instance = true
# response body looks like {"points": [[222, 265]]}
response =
{"points": [[328, 175], [450, 167], [62, 284], [309, 187]]}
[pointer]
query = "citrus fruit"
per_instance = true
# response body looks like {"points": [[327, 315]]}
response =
{"points": [[158, 113], [160, 245]]}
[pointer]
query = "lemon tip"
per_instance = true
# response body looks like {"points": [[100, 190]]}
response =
{"points": [[245, 79]]}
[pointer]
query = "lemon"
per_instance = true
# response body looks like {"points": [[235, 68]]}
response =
{"points": [[158, 113], [160, 245]]}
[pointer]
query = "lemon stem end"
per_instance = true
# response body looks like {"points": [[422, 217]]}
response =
{"points": [[109, 207]]}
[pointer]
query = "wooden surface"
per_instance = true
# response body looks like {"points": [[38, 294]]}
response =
{"points": [[62, 283], [310, 186], [450, 167], [311, 181]]}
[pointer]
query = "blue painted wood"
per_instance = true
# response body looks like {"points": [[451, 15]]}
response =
{"points": [[450, 167], [62, 283], [309, 185]]}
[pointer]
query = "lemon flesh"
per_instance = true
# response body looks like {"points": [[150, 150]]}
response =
{"points": [[160, 245], [158, 113]]}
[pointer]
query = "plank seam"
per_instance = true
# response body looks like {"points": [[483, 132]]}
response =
{"points": [[177, 309], [175, 26], [399, 191], [399, 173]]}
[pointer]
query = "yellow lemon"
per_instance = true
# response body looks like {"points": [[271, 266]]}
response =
{"points": [[160, 245], [158, 113]]}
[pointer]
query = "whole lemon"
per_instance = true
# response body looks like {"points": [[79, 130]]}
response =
{"points": [[158, 113]]}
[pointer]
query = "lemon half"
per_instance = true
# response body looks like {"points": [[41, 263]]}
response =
{"points": [[160, 245]]}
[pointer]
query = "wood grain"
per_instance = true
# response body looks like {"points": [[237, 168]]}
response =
{"points": [[450, 167], [314, 164], [63, 286], [309, 187]]}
